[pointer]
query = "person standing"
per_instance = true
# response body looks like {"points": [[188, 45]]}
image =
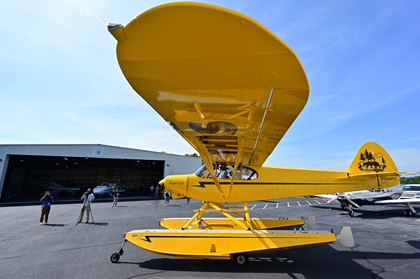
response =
{"points": [[115, 197], [157, 191], [46, 200], [152, 190], [87, 198]]}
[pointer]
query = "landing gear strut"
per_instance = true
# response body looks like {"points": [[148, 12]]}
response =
{"points": [[408, 213], [351, 212], [115, 257]]}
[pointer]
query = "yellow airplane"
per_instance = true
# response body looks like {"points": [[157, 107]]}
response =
{"points": [[232, 89]]}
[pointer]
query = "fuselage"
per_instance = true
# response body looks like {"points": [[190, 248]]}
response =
{"points": [[260, 183], [101, 190]]}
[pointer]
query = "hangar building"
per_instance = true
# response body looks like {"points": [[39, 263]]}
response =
{"points": [[26, 171]]}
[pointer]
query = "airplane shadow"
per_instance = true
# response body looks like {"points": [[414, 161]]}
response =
{"points": [[305, 261], [414, 243], [269, 201]]}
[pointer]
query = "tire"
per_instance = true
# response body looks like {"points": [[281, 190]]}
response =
{"points": [[351, 213], [115, 258], [240, 259]]}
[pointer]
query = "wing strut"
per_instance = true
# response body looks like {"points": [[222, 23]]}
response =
{"points": [[227, 211], [239, 157], [205, 156], [262, 123]]}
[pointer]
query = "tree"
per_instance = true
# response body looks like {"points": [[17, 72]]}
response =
{"points": [[410, 180], [192, 155]]}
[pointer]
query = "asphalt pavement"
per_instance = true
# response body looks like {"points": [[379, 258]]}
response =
{"points": [[387, 243]]}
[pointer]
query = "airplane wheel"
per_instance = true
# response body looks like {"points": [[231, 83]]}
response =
{"points": [[351, 213], [408, 213], [115, 257], [240, 259]]}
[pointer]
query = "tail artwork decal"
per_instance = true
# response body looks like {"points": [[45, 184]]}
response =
{"points": [[371, 161], [372, 158]]}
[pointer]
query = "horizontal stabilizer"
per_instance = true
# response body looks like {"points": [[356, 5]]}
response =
{"points": [[370, 175], [345, 237]]}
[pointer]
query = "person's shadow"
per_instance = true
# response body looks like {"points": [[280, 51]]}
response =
{"points": [[55, 225], [93, 223]]}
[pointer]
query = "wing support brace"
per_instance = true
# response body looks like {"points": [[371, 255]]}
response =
{"points": [[224, 210], [408, 206], [239, 157], [205, 156]]}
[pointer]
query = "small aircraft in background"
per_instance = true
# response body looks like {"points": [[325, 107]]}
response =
{"points": [[54, 186], [107, 188], [377, 196]]}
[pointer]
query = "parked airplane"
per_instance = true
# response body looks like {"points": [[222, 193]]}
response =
{"points": [[54, 186], [232, 89], [107, 188], [356, 199]]}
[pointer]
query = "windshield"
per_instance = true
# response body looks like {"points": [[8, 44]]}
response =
{"points": [[226, 171], [200, 172]]}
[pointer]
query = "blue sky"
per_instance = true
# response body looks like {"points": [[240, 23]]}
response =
{"points": [[61, 83]]}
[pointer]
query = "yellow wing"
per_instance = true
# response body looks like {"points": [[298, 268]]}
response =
{"points": [[223, 81]]}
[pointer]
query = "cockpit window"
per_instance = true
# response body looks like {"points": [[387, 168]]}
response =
{"points": [[249, 174], [200, 172], [225, 171]]}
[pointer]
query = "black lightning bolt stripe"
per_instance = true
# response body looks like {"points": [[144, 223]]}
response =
{"points": [[204, 183], [148, 238]]}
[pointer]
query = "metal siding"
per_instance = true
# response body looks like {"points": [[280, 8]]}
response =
{"points": [[174, 164]]}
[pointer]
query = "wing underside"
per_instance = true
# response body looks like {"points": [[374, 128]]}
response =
{"points": [[223, 81]]}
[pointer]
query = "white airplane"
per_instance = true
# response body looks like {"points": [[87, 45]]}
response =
{"points": [[53, 186], [107, 188], [356, 199]]}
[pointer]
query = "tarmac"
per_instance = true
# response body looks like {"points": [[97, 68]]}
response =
{"points": [[387, 243]]}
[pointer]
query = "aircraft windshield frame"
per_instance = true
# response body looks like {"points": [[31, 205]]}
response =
{"points": [[244, 173]]}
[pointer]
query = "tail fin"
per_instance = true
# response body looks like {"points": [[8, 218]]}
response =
{"points": [[372, 159]]}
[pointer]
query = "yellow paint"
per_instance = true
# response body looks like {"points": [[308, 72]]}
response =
{"points": [[276, 182], [232, 89], [228, 224], [216, 70], [220, 244]]}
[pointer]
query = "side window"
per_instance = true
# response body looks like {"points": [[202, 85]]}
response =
{"points": [[249, 174]]}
